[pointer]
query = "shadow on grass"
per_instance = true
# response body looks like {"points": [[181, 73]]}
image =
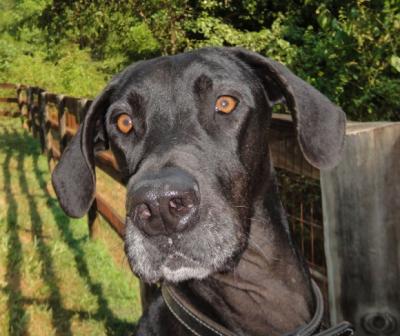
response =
{"points": [[114, 325], [19, 146], [61, 318], [17, 315]]}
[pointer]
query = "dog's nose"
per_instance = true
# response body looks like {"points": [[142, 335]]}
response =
{"points": [[165, 203]]}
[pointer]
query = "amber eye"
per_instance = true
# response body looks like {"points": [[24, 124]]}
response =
{"points": [[225, 104], [124, 123]]}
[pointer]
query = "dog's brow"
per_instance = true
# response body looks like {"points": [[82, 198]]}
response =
{"points": [[135, 101], [202, 83]]}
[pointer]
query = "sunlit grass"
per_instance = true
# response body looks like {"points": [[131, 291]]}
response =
{"points": [[54, 280]]}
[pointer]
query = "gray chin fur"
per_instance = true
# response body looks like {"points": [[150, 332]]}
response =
{"points": [[183, 273], [147, 262], [194, 254]]}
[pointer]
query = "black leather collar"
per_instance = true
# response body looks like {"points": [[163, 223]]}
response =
{"points": [[200, 325]]}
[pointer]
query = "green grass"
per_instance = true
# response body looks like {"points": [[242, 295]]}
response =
{"points": [[54, 280]]}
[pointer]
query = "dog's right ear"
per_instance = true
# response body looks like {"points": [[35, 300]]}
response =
{"points": [[73, 178], [320, 124]]}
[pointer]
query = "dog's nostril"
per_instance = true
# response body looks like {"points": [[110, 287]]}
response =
{"points": [[181, 204], [175, 204], [143, 212]]}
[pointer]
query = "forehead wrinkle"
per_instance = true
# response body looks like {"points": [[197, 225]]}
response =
{"points": [[202, 66], [224, 72], [223, 65]]}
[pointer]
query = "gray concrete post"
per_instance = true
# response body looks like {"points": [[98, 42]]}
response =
{"points": [[361, 209]]}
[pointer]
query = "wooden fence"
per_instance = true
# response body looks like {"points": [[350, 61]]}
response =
{"points": [[350, 228]]}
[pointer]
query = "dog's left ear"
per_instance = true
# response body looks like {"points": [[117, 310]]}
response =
{"points": [[73, 178], [320, 124]]}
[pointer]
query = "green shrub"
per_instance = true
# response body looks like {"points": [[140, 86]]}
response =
{"points": [[350, 50]]}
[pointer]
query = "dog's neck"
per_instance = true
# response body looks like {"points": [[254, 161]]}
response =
{"points": [[268, 292]]}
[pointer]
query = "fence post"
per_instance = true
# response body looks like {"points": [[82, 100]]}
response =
{"points": [[361, 207], [33, 111], [61, 122], [19, 100], [50, 99], [36, 117], [42, 119], [93, 218], [22, 104], [29, 108], [43, 122]]}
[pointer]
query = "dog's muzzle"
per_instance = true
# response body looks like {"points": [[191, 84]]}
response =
{"points": [[164, 203]]}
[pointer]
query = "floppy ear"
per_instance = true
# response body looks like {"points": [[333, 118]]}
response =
{"points": [[320, 124], [74, 177]]}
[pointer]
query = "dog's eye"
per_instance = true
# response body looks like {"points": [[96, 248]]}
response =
{"points": [[225, 104], [124, 123]]}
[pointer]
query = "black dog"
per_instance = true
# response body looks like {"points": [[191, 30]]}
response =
{"points": [[190, 134]]}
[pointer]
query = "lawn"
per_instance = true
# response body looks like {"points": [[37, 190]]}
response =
{"points": [[54, 280]]}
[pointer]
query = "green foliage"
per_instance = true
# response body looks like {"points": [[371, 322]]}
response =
{"points": [[74, 73], [215, 32], [26, 57], [347, 49], [353, 58]]}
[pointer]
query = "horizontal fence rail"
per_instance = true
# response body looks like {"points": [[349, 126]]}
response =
{"points": [[314, 202]]}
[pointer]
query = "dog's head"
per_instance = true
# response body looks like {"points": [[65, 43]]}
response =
{"points": [[190, 134]]}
